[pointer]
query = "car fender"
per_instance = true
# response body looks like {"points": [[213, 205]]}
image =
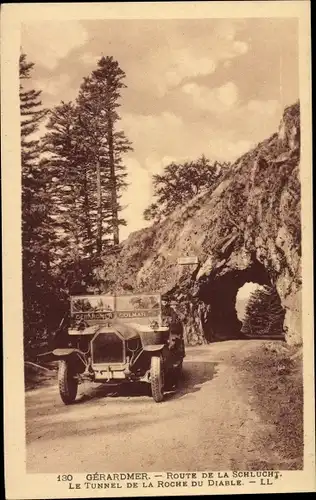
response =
{"points": [[73, 354], [65, 352], [154, 347]]}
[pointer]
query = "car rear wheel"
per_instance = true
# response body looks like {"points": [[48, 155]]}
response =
{"points": [[156, 378], [68, 384]]}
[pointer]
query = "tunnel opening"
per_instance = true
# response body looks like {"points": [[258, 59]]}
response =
{"points": [[219, 293], [243, 297]]}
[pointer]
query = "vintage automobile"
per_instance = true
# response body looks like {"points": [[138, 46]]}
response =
{"points": [[119, 339]]}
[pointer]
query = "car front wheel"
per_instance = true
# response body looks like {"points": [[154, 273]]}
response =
{"points": [[68, 384], [156, 378]]}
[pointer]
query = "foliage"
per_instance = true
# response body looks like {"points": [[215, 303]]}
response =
{"points": [[72, 180], [70, 177], [98, 104], [86, 168], [179, 183], [36, 231], [264, 315]]}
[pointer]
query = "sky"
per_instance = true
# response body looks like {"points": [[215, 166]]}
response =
{"points": [[242, 298], [203, 86]]}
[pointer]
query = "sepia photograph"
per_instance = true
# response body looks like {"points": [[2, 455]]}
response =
{"points": [[162, 220]]}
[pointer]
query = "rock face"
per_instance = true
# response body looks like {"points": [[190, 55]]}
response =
{"points": [[246, 230]]}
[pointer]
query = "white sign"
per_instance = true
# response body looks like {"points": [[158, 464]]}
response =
{"points": [[188, 260], [95, 309]]}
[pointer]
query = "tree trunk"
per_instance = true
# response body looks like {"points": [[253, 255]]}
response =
{"points": [[115, 225], [86, 210], [99, 209]]}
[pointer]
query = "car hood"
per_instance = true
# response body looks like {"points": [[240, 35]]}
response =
{"points": [[124, 330]]}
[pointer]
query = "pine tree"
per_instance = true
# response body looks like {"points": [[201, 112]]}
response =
{"points": [[33, 183], [31, 112], [36, 234], [98, 102], [70, 174], [264, 314]]}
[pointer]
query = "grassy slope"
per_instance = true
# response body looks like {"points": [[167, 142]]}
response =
{"points": [[274, 372], [35, 376]]}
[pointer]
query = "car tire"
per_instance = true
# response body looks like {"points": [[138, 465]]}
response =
{"points": [[156, 378], [67, 383]]}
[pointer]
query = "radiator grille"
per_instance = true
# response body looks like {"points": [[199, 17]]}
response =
{"points": [[107, 348]]}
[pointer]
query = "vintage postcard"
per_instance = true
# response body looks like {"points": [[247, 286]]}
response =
{"points": [[157, 249]]}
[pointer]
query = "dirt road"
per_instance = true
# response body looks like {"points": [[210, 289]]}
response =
{"points": [[209, 423]]}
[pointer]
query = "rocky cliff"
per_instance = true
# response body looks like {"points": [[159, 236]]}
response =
{"points": [[246, 230]]}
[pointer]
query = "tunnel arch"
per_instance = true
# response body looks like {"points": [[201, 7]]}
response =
{"points": [[218, 292]]}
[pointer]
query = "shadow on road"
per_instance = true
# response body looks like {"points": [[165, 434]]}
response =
{"points": [[115, 391], [193, 376], [93, 416]]}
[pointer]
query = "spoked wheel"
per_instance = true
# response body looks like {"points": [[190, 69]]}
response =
{"points": [[156, 378], [67, 382]]}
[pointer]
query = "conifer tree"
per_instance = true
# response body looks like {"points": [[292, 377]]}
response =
{"points": [[98, 103], [68, 167], [264, 314], [36, 233]]}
